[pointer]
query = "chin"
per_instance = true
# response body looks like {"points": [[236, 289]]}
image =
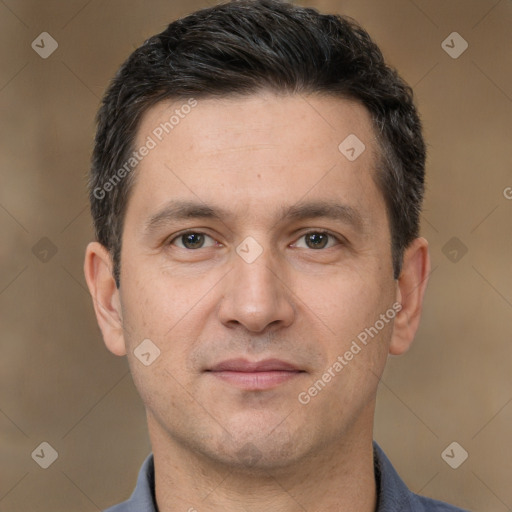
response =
{"points": [[259, 450]]}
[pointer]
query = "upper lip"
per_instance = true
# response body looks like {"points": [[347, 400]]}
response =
{"points": [[243, 365]]}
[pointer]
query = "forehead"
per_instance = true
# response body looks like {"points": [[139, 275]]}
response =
{"points": [[264, 148], [297, 124]]}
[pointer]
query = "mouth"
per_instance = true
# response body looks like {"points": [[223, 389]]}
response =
{"points": [[255, 375]]}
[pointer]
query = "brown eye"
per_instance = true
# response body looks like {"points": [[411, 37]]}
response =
{"points": [[191, 240], [317, 240]]}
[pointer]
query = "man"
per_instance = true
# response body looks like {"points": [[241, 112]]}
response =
{"points": [[256, 186]]}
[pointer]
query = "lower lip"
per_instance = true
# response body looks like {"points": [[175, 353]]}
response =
{"points": [[256, 380]]}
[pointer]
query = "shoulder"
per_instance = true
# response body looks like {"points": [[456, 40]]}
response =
{"points": [[393, 494], [423, 504], [120, 507], [143, 496]]}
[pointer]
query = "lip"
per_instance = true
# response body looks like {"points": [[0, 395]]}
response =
{"points": [[255, 375], [243, 365]]}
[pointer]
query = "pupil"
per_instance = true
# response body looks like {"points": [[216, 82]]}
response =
{"points": [[317, 240], [192, 240]]}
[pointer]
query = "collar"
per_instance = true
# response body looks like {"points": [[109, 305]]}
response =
{"points": [[393, 494]]}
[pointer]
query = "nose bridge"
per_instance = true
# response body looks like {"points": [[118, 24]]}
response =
{"points": [[254, 295]]}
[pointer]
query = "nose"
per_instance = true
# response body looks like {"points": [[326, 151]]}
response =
{"points": [[256, 296]]}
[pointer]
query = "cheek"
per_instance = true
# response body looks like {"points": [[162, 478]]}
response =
{"points": [[347, 309], [152, 306], [171, 312], [343, 301]]}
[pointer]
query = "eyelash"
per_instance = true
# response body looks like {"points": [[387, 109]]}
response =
{"points": [[316, 232]]}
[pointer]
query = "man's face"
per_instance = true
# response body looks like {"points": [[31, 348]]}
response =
{"points": [[295, 263]]}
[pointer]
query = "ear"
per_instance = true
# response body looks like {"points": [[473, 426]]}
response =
{"points": [[411, 287], [105, 296]]}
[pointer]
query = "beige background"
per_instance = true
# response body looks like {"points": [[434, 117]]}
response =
{"points": [[60, 385]]}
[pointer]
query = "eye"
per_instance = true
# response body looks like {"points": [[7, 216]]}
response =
{"points": [[317, 240], [192, 240]]}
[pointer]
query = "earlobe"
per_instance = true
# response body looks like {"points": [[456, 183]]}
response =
{"points": [[105, 296], [411, 287]]}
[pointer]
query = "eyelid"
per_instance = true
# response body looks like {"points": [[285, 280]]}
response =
{"points": [[341, 240], [176, 236]]}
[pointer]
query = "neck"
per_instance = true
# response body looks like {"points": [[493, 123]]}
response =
{"points": [[337, 478]]}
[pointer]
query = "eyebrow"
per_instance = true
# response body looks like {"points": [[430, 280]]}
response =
{"points": [[177, 210]]}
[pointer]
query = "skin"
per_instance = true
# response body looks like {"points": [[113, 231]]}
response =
{"points": [[253, 156]]}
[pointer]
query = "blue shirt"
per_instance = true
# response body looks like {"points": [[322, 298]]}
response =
{"points": [[393, 494]]}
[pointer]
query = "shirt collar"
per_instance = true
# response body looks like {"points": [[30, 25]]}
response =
{"points": [[143, 497], [393, 495]]}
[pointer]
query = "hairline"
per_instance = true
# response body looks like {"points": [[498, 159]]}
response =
{"points": [[381, 165]]}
